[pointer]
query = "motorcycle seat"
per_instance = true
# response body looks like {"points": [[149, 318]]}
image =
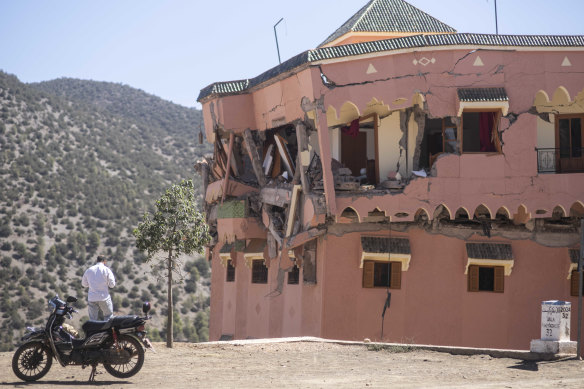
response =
{"points": [[125, 321], [91, 326]]}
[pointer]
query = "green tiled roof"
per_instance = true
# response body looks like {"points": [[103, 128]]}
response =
{"points": [[388, 45], [390, 16], [372, 244], [482, 94], [489, 250]]}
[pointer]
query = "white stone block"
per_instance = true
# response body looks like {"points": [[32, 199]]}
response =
{"points": [[555, 320], [552, 347]]}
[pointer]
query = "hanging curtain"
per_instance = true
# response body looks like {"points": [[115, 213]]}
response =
{"points": [[486, 122], [352, 130]]}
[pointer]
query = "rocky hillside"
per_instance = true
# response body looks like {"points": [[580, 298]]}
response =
{"points": [[80, 162]]}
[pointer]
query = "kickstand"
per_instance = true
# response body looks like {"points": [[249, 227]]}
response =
{"points": [[93, 373]]}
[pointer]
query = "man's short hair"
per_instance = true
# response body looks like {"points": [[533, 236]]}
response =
{"points": [[100, 258]]}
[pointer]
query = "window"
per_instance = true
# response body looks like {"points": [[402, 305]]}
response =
{"points": [[486, 278], [440, 136], [382, 274], [259, 272], [294, 276], [574, 281], [230, 277], [480, 132], [569, 135]]}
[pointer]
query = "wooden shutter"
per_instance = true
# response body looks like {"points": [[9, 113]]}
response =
{"points": [[473, 278], [395, 282], [368, 274], [499, 279], [495, 132], [574, 281]]}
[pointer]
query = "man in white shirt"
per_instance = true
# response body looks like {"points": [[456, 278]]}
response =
{"points": [[99, 278]]}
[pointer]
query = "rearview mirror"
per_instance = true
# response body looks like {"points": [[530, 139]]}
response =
{"points": [[71, 299], [146, 307]]}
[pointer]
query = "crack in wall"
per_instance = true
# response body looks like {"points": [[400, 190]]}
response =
{"points": [[330, 84]]}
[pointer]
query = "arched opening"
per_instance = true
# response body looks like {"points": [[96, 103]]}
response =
{"points": [[421, 216], [461, 214], [442, 212], [558, 212], [482, 213], [350, 214], [503, 214]]}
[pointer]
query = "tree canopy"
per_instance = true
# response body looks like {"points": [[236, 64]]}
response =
{"points": [[175, 228]]}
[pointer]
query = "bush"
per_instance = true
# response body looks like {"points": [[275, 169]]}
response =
{"points": [[125, 302]]}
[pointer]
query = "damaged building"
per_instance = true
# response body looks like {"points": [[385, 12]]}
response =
{"points": [[402, 182]]}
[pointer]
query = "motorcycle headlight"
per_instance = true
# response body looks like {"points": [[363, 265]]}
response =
{"points": [[51, 307]]}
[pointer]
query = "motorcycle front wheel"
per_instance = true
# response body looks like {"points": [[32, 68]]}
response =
{"points": [[134, 362], [32, 361]]}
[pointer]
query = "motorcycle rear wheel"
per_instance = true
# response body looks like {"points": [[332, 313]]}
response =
{"points": [[131, 367], [32, 361]]}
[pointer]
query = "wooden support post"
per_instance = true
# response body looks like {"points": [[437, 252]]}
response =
{"points": [[228, 169], [255, 157], [292, 209], [302, 147], [325, 160]]}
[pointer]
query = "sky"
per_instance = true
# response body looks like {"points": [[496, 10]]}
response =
{"points": [[174, 48]]}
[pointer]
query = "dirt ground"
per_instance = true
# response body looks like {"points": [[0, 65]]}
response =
{"points": [[314, 365]]}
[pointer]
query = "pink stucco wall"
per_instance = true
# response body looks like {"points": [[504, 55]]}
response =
{"points": [[433, 304], [247, 310]]}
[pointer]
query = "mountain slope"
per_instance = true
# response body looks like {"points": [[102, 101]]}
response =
{"points": [[80, 162]]}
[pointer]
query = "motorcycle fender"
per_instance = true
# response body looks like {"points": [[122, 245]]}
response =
{"points": [[33, 336], [145, 343]]}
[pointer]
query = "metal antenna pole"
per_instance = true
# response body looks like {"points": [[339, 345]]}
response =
{"points": [[496, 22], [276, 35], [580, 275]]}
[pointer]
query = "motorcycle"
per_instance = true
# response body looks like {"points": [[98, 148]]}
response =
{"points": [[118, 343]]}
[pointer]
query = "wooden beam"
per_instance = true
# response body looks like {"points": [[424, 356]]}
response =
{"points": [[302, 147], [292, 210], [283, 149], [303, 237], [256, 163], [328, 180], [228, 170]]}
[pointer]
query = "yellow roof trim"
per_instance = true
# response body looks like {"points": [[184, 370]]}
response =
{"points": [[385, 257]]}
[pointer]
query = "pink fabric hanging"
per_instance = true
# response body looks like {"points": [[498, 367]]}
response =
{"points": [[486, 121]]}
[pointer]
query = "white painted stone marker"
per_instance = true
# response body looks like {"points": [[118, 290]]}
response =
{"points": [[555, 320], [555, 329]]}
